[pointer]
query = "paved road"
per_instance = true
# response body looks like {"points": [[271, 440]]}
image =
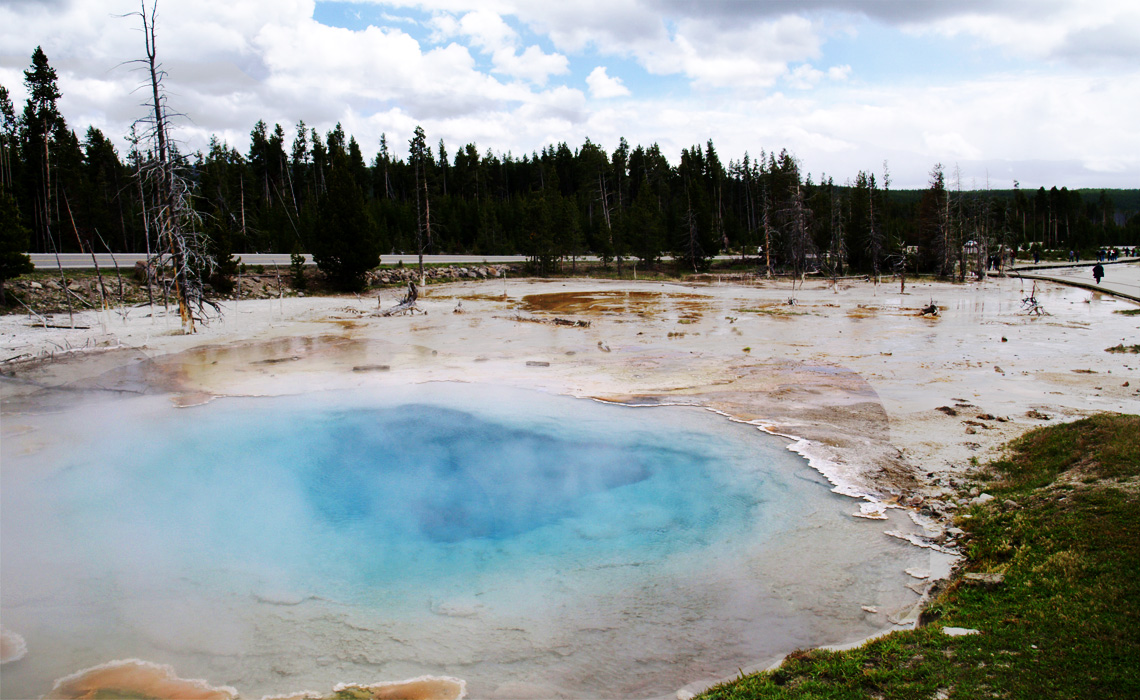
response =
{"points": [[1121, 278], [81, 261]]}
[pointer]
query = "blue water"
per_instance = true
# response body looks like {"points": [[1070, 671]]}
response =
{"points": [[338, 500], [465, 527]]}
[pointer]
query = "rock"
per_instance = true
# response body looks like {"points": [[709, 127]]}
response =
{"points": [[536, 363], [284, 598], [37, 285], [984, 578], [981, 499], [947, 410], [12, 646], [1010, 505], [1037, 415], [955, 531], [958, 631]]}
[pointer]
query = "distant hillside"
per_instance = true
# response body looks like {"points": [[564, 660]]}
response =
{"points": [[1124, 201]]}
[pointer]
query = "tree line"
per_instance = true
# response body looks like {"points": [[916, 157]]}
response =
{"points": [[298, 190]]}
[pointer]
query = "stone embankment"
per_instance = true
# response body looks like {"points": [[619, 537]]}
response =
{"points": [[48, 293], [402, 275]]}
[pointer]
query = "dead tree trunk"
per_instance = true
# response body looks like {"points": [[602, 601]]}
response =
{"points": [[407, 305], [172, 213]]}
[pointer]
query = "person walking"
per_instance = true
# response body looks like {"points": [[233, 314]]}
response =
{"points": [[1098, 272]]}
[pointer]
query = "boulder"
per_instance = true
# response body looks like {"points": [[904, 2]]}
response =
{"points": [[987, 579], [981, 499]]}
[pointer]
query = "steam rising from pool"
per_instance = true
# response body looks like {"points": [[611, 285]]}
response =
{"points": [[534, 545]]}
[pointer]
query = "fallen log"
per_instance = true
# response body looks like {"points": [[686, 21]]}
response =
{"points": [[549, 321], [407, 305]]}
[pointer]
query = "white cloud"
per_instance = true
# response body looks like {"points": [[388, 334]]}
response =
{"points": [[952, 145], [485, 72], [1068, 30], [490, 34], [487, 30], [532, 65], [804, 77], [602, 86]]}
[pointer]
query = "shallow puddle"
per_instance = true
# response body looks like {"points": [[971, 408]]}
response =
{"points": [[615, 302]]}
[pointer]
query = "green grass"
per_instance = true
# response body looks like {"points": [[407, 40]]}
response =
{"points": [[1129, 312], [1123, 348], [1065, 621]]}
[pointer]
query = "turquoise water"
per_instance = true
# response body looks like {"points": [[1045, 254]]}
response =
{"points": [[503, 536]]}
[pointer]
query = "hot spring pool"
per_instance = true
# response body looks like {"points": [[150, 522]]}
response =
{"points": [[534, 545]]}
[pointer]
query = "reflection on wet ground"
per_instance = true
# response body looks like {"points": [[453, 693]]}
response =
{"points": [[134, 679], [140, 679], [686, 308], [617, 302], [194, 376]]}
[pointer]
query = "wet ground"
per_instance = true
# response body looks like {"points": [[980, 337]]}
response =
{"points": [[891, 405]]}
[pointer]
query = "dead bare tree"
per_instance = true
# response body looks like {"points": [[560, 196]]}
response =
{"points": [[768, 237], [837, 249], [180, 243], [796, 219], [407, 305], [419, 154]]}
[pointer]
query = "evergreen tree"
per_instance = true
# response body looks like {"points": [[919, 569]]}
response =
{"points": [[936, 238], [696, 241], [419, 157], [540, 235], [647, 227], [13, 242], [42, 128], [345, 247], [795, 219], [8, 141]]}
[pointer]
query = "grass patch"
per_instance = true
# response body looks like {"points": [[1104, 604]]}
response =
{"points": [[1128, 312], [1124, 348], [1062, 623]]}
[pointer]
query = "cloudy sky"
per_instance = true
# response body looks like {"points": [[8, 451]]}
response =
{"points": [[1041, 91]]}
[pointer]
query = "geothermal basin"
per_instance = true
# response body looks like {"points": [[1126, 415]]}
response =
{"points": [[527, 543], [302, 495]]}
